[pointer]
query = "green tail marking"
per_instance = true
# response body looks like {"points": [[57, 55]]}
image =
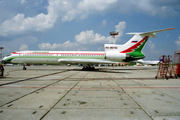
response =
{"points": [[137, 52]]}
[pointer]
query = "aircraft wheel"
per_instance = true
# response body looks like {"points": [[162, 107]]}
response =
{"points": [[176, 76], [88, 68], [24, 68], [1, 70], [92, 68], [83, 69]]}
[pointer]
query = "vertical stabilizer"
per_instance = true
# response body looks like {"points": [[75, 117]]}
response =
{"points": [[133, 48]]}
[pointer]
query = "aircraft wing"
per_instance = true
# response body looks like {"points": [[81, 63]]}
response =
{"points": [[85, 61], [155, 62]]}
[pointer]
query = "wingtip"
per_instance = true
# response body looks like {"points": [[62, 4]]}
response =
{"points": [[171, 28]]}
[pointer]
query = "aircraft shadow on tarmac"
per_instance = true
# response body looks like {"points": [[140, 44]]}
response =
{"points": [[96, 70], [47, 69], [104, 70], [134, 69], [108, 70]]}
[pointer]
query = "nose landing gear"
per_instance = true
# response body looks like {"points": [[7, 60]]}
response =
{"points": [[24, 68], [1, 70]]}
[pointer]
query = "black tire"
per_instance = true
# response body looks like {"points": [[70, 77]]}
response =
{"points": [[24, 68], [1, 70]]}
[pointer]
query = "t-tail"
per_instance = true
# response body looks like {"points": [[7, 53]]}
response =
{"points": [[131, 50]]}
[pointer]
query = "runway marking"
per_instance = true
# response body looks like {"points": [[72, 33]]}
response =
{"points": [[91, 88]]}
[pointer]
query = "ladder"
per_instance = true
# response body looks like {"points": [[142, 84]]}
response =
{"points": [[166, 68]]}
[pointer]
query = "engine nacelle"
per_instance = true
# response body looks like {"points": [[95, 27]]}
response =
{"points": [[115, 56]]}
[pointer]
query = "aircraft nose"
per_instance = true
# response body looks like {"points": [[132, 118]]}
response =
{"points": [[4, 59]]}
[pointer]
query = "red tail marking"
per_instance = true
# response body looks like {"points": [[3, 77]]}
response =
{"points": [[134, 46]]}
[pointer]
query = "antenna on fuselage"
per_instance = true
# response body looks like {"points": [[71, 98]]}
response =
{"points": [[114, 33]]}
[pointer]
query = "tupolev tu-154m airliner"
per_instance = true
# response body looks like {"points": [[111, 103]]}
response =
{"points": [[131, 50]]}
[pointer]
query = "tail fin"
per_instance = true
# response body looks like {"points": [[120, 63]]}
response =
{"points": [[134, 46]]}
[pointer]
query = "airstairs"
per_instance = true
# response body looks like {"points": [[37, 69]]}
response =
{"points": [[166, 68]]}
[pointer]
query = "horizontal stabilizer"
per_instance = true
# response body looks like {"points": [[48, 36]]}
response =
{"points": [[151, 33]]}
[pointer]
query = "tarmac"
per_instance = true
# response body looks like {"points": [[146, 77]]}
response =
{"points": [[66, 93]]}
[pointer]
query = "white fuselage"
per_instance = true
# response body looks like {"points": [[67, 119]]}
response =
{"points": [[57, 57]]}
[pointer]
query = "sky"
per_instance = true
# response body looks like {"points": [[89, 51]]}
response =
{"points": [[84, 25]]}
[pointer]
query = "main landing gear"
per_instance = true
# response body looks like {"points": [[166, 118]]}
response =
{"points": [[24, 68], [88, 68]]}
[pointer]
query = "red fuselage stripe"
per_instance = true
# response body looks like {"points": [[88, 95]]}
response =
{"points": [[64, 53]]}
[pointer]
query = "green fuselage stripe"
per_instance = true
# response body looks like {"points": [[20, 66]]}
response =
{"points": [[57, 57]]}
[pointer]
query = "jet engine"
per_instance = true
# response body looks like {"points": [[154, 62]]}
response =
{"points": [[115, 56]]}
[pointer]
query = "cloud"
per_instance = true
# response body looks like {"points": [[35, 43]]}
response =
{"points": [[23, 47], [93, 7], [178, 42], [162, 8], [26, 40], [18, 44], [89, 37], [104, 22], [85, 40], [23, 1], [65, 46], [69, 10], [21, 24], [152, 47], [119, 28]]}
